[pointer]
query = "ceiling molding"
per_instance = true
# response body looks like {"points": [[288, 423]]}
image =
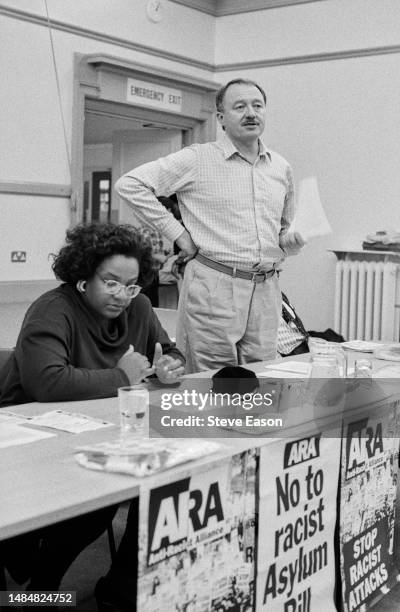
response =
{"points": [[118, 64], [53, 190], [211, 68], [221, 8], [102, 37], [234, 7], [305, 59], [204, 6]]}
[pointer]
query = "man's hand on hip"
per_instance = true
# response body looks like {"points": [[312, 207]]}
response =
{"points": [[291, 243], [187, 247]]}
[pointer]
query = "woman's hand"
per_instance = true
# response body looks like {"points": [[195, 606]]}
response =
{"points": [[168, 370], [135, 366]]}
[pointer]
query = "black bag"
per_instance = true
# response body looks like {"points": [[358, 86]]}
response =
{"points": [[234, 379], [328, 334]]}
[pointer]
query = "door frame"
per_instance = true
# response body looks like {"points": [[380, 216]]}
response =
{"points": [[100, 85]]}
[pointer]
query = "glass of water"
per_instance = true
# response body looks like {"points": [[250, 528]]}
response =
{"points": [[133, 404]]}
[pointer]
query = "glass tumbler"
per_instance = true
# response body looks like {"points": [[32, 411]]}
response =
{"points": [[133, 404]]}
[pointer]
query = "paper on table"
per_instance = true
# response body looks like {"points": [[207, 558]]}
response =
{"points": [[363, 346], [68, 421], [11, 417], [297, 367], [14, 435], [282, 374], [310, 219], [288, 369]]}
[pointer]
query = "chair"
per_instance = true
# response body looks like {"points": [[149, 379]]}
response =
{"points": [[111, 541], [168, 318], [4, 355], [168, 295], [3, 581]]}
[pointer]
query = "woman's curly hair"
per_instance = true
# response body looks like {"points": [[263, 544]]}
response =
{"points": [[87, 246]]}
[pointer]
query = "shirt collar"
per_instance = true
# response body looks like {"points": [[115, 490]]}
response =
{"points": [[229, 149], [263, 151]]}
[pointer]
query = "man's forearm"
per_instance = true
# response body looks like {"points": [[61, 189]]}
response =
{"points": [[188, 249], [146, 207]]}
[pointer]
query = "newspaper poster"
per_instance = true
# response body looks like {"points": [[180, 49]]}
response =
{"points": [[297, 515], [197, 539], [367, 506]]}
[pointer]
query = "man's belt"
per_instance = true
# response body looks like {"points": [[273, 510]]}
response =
{"points": [[256, 277]]}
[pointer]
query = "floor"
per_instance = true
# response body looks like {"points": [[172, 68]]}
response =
{"points": [[86, 570], [390, 603], [94, 562]]}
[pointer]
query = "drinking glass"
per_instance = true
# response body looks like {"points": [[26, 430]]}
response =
{"points": [[133, 404]]}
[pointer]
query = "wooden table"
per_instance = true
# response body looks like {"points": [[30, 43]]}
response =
{"points": [[41, 483]]}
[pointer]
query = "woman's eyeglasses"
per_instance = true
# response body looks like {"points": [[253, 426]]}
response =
{"points": [[112, 287]]}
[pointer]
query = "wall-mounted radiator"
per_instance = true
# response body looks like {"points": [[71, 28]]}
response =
{"points": [[367, 300]]}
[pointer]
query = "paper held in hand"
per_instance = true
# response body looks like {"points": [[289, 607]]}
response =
{"points": [[310, 218]]}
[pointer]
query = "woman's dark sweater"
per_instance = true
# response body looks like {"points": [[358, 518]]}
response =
{"points": [[65, 353]]}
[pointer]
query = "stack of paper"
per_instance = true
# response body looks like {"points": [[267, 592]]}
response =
{"points": [[142, 457], [310, 219], [287, 369], [68, 421]]}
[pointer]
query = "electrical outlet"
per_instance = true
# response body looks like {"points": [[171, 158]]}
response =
{"points": [[18, 256]]}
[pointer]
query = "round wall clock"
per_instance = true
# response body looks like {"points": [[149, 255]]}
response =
{"points": [[155, 10]]}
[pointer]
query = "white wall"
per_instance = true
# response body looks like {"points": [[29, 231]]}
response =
{"points": [[182, 30], [35, 225], [33, 148], [330, 25], [338, 120], [98, 156]]}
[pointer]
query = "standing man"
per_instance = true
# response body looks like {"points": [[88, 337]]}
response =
{"points": [[236, 201]]}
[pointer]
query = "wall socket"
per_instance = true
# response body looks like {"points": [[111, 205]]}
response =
{"points": [[18, 256]]}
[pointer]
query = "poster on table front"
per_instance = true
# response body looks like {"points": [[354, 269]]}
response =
{"points": [[367, 506], [297, 515], [197, 540]]}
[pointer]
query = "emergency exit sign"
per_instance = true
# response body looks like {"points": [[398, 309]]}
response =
{"points": [[153, 95]]}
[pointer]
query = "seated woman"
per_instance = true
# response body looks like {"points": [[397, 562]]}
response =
{"points": [[74, 339], [75, 344]]}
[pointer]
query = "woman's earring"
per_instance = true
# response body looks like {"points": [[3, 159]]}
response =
{"points": [[80, 285]]}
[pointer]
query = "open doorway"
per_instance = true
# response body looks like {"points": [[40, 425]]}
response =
{"points": [[124, 114], [112, 146]]}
